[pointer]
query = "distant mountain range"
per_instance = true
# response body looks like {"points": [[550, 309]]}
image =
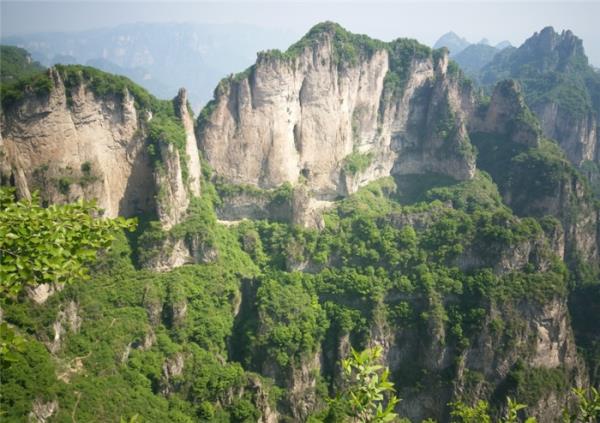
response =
{"points": [[470, 56], [162, 57]]}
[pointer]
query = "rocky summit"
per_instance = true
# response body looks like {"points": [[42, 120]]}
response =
{"points": [[346, 194]]}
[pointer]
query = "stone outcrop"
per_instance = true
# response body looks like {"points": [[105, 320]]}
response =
{"points": [[42, 411], [578, 136], [70, 144], [173, 192], [307, 115], [508, 116]]}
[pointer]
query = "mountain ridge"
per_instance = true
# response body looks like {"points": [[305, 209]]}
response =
{"points": [[358, 214]]}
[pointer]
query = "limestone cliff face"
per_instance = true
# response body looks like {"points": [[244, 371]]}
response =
{"points": [[194, 171], [508, 116], [578, 135], [75, 145], [566, 102], [72, 143], [176, 187], [565, 195], [336, 125], [574, 207]]}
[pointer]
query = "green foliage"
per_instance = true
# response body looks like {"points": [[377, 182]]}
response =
{"points": [[560, 75], [588, 407], [367, 394], [106, 85], [479, 413], [16, 63], [531, 384], [168, 130], [348, 48], [290, 318], [357, 162], [49, 245], [19, 74], [528, 176], [402, 52], [39, 84]]}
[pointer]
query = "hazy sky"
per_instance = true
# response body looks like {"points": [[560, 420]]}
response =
{"points": [[424, 20]]}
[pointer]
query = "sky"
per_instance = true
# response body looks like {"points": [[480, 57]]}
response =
{"points": [[424, 20]]}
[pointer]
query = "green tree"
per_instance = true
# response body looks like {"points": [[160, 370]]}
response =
{"points": [[479, 413], [367, 394], [49, 244], [46, 245], [588, 407]]}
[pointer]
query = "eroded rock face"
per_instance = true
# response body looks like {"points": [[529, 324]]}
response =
{"points": [[175, 187], [300, 381], [191, 144], [172, 368], [577, 135], [508, 116], [71, 144], [307, 116], [42, 411], [544, 340], [172, 198]]}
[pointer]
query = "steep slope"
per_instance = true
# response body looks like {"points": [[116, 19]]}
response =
{"points": [[336, 111], [559, 86], [532, 173], [78, 133], [75, 132]]}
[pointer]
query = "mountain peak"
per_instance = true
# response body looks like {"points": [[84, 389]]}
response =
{"points": [[452, 42], [552, 50], [503, 44], [347, 47]]}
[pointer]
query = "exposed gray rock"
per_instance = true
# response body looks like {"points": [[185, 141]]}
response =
{"points": [[508, 115], [40, 293], [49, 138], [42, 411], [304, 118]]}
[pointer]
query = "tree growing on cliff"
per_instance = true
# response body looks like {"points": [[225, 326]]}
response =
{"points": [[367, 395]]}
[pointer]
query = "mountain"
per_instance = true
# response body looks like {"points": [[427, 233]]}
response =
{"points": [[343, 193], [474, 57], [144, 52], [452, 42], [470, 57], [560, 87], [340, 142], [17, 63], [503, 44]]}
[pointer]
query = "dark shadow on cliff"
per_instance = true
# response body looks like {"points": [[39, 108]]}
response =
{"points": [[411, 189]]}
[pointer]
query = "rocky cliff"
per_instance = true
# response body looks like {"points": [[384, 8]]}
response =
{"points": [[336, 111], [560, 87], [512, 149], [67, 144], [464, 286], [71, 140]]}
